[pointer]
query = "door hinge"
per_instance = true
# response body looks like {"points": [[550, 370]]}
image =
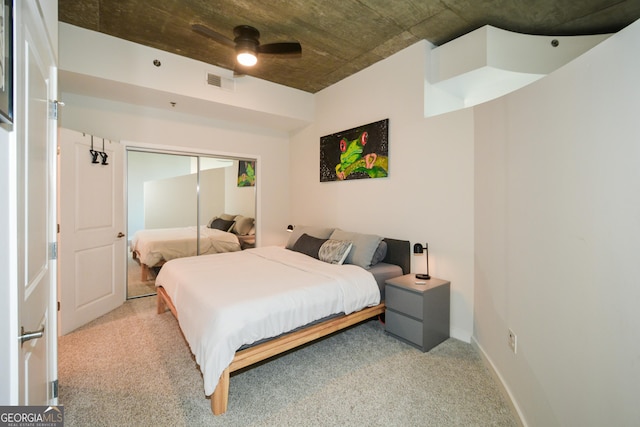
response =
{"points": [[54, 251], [58, 305], [53, 109], [54, 389]]}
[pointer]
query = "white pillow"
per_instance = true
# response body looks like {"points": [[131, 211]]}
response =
{"points": [[334, 251]]}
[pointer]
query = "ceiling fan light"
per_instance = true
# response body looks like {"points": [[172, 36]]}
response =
{"points": [[246, 58]]}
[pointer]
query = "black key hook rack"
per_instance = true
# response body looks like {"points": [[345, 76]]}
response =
{"points": [[94, 154]]}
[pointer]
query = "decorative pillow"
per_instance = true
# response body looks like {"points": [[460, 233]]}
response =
{"points": [[211, 221], [221, 224], [380, 253], [299, 230], [243, 225], [334, 251], [364, 246], [308, 245]]}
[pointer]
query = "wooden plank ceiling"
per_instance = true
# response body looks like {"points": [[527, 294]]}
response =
{"points": [[338, 37]]}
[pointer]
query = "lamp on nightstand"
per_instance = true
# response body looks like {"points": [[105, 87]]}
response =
{"points": [[417, 250]]}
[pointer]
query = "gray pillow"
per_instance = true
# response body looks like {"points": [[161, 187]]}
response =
{"points": [[364, 246], [299, 230], [308, 245], [380, 253]]}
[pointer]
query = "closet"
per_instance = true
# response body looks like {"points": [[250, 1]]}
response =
{"points": [[170, 190]]}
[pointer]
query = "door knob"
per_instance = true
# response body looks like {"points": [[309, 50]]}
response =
{"points": [[120, 234]]}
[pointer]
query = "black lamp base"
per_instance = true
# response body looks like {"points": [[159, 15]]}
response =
{"points": [[423, 276]]}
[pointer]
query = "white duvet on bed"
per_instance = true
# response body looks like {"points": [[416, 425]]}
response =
{"points": [[228, 300], [155, 245]]}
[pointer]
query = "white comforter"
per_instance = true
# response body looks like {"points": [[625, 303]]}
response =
{"points": [[155, 245], [228, 300]]}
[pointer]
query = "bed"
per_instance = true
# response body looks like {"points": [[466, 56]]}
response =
{"points": [[154, 247], [226, 233], [267, 300]]}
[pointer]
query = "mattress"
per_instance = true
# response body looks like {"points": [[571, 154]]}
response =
{"points": [[164, 244], [383, 272]]}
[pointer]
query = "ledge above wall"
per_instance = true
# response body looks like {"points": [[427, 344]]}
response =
{"points": [[489, 62], [96, 65]]}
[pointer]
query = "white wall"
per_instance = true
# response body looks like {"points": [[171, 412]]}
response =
{"points": [[173, 202], [170, 130], [428, 195], [142, 167], [558, 237], [213, 185]]}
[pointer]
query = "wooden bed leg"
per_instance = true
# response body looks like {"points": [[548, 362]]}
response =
{"points": [[220, 396], [161, 305], [145, 272]]}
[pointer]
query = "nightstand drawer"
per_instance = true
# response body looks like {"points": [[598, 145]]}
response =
{"points": [[404, 301], [404, 327]]}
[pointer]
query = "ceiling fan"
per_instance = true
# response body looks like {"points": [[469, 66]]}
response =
{"points": [[247, 44]]}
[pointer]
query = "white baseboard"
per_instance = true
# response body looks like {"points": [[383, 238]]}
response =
{"points": [[460, 334], [515, 409]]}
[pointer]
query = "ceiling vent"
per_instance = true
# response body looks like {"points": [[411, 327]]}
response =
{"points": [[221, 82]]}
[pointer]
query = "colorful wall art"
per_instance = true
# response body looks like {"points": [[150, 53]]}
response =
{"points": [[361, 152], [246, 173]]}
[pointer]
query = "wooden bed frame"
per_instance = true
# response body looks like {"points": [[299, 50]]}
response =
{"points": [[398, 253], [144, 268], [260, 352]]}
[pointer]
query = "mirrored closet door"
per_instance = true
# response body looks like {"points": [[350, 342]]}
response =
{"points": [[184, 205]]}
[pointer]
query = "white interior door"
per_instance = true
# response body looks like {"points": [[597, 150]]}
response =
{"points": [[36, 173], [92, 240]]}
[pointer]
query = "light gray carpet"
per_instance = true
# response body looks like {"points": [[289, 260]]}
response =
{"points": [[132, 367]]}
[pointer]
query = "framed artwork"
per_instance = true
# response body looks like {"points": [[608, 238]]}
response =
{"points": [[361, 152], [246, 173], [6, 62]]}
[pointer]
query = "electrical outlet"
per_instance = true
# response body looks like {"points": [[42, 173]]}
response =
{"points": [[513, 341]]}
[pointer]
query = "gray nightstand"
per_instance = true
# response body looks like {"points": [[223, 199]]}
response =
{"points": [[417, 313]]}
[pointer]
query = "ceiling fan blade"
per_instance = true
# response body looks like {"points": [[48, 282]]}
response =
{"points": [[284, 48], [208, 32]]}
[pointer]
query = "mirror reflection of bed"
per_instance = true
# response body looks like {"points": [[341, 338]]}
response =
{"points": [[173, 199]]}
